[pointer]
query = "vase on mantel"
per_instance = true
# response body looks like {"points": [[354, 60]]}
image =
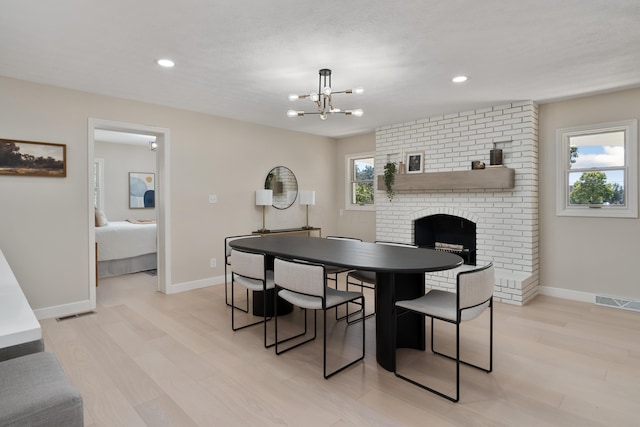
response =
{"points": [[401, 168]]}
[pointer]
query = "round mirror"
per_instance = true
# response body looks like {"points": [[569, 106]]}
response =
{"points": [[284, 185]]}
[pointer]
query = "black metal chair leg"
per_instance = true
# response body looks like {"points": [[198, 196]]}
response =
{"points": [[353, 362]]}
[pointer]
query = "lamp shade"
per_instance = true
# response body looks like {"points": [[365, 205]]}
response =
{"points": [[307, 197], [264, 197]]}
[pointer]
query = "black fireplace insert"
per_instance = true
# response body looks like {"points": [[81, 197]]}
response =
{"points": [[449, 233]]}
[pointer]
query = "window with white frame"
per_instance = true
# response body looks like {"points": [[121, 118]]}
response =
{"points": [[598, 171], [359, 188], [98, 183]]}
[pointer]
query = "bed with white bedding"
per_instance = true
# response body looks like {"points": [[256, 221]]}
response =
{"points": [[125, 247]]}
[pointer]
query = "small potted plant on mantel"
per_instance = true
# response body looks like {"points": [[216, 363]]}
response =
{"points": [[389, 177]]}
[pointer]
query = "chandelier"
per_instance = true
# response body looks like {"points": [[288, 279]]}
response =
{"points": [[323, 98]]}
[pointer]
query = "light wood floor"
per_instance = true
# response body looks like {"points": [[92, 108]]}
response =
{"points": [[148, 359]]}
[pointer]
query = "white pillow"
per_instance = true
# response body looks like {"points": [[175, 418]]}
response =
{"points": [[101, 219]]}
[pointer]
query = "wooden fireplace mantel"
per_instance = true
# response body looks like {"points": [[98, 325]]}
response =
{"points": [[480, 179]]}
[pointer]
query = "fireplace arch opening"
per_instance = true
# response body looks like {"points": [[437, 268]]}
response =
{"points": [[448, 233]]}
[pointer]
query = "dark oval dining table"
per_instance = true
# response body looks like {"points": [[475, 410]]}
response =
{"points": [[400, 274]]}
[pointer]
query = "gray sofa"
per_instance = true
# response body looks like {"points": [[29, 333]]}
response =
{"points": [[34, 391]]}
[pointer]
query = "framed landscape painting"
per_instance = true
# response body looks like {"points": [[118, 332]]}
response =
{"points": [[26, 158]]}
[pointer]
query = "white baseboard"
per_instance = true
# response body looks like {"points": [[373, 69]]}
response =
{"points": [[64, 310], [83, 306], [567, 294], [196, 284]]}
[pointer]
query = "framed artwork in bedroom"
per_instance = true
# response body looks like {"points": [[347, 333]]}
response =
{"points": [[141, 190], [28, 158]]}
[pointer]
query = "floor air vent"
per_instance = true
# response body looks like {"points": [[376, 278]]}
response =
{"points": [[75, 316], [624, 304]]}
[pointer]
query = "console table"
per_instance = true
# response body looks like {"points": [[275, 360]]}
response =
{"points": [[293, 231]]}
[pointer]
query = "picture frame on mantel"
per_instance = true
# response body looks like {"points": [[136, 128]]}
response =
{"points": [[415, 162]]}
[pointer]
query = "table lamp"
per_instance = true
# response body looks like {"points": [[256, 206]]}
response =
{"points": [[264, 198], [307, 197]]}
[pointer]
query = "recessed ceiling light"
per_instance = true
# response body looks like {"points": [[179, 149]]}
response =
{"points": [[459, 79], [167, 63]]}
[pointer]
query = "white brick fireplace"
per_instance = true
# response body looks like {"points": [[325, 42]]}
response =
{"points": [[506, 219]]}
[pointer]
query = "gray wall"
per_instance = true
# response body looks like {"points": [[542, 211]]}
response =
{"points": [[44, 228], [577, 254], [44, 221]]}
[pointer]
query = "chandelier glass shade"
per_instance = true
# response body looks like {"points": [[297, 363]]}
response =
{"points": [[324, 98]]}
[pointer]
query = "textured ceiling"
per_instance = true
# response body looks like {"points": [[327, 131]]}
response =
{"points": [[241, 59]]}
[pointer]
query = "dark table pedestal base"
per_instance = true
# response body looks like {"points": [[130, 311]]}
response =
{"points": [[410, 329], [284, 307]]}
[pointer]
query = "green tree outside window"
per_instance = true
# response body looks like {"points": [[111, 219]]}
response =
{"points": [[592, 188]]}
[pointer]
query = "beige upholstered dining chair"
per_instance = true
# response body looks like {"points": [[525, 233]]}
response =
{"points": [[367, 279], [474, 294], [227, 255], [249, 270], [305, 285]]}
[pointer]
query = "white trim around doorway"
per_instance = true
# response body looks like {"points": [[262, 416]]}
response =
{"points": [[162, 199]]}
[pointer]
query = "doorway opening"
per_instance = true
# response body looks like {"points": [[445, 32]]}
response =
{"points": [[162, 139]]}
